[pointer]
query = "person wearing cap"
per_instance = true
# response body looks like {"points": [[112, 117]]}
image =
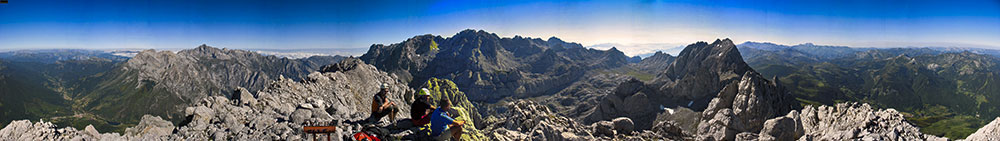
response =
{"points": [[381, 106], [421, 107]]}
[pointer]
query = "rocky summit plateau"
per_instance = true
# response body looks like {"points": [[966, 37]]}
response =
{"points": [[506, 88]]}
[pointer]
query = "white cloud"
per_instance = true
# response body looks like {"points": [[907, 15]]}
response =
{"points": [[642, 48]]}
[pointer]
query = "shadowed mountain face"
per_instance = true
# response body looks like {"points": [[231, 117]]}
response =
{"points": [[700, 71], [491, 68]]}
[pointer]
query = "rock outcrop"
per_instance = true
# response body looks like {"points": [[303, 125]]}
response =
{"points": [[845, 121], [989, 132], [852, 121], [25, 130], [580, 98], [527, 120], [743, 106]]}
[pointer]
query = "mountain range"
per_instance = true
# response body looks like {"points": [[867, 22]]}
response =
{"points": [[516, 88], [107, 90], [949, 93]]}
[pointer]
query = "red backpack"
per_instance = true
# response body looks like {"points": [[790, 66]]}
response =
{"points": [[363, 136]]}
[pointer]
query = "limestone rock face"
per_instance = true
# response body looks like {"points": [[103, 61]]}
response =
{"points": [[527, 120], [26, 130], [629, 99], [989, 132], [749, 109], [537, 122], [580, 98], [781, 128], [701, 70], [151, 128], [682, 118], [853, 121], [743, 106], [697, 74]]}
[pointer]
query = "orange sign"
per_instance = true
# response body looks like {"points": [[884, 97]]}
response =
{"points": [[319, 129]]}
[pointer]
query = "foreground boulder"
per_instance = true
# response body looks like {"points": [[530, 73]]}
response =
{"points": [[623, 125]]}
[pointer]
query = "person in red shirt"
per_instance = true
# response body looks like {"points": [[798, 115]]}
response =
{"points": [[421, 107]]}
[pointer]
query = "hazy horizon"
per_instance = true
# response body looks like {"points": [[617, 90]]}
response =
{"points": [[634, 27]]}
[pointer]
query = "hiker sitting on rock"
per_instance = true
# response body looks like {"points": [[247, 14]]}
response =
{"points": [[421, 108], [381, 106], [443, 126]]}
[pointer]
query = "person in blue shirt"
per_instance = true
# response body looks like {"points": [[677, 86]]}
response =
{"points": [[443, 126]]}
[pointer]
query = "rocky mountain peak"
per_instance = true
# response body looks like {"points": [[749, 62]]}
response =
{"points": [[556, 43], [475, 34], [614, 50], [659, 53], [700, 72], [554, 39], [656, 63], [721, 56]]}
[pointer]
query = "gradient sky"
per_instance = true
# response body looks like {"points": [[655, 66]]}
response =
{"points": [[247, 24]]}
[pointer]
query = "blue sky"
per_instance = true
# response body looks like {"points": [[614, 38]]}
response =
{"points": [[636, 26]]}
